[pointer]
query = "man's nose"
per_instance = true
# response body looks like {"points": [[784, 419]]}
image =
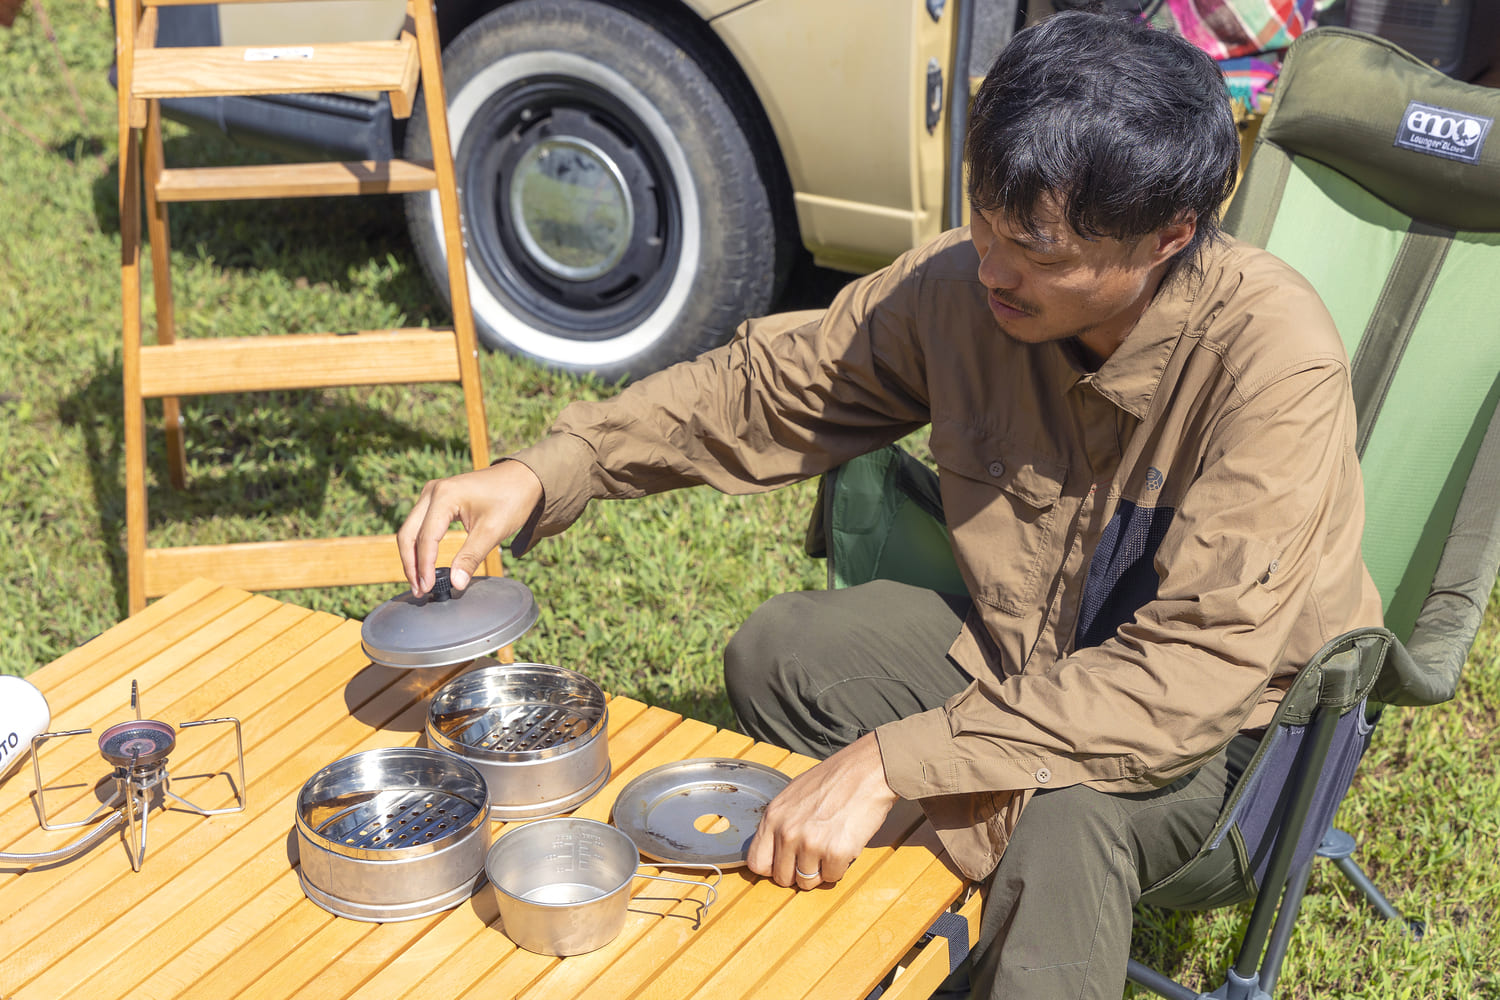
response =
{"points": [[996, 272]]}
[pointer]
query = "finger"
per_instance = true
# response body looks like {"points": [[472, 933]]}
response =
{"points": [[437, 518], [467, 559], [761, 853], [808, 871], [832, 869], [406, 539], [784, 866]]}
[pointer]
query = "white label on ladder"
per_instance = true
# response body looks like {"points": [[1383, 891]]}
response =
{"points": [[287, 52]]}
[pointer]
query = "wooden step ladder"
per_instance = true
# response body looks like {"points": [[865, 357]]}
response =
{"points": [[169, 369]]}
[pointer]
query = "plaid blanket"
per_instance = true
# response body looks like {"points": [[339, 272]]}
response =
{"points": [[1245, 36], [1226, 29]]}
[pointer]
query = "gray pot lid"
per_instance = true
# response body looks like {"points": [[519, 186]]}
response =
{"points": [[447, 627]]}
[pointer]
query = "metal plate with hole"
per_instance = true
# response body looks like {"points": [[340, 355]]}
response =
{"points": [[699, 811]]}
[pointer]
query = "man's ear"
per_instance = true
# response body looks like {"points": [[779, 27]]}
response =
{"points": [[1173, 237]]}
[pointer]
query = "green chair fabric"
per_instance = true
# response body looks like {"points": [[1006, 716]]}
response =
{"points": [[880, 517]]}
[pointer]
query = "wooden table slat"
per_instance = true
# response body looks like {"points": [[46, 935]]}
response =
{"points": [[217, 910], [204, 901], [163, 863], [477, 971], [154, 655], [460, 930], [626, 970], [176, 699], [851, 976], [751, 901], [204, 751], [807, 919], [136, 628], [522, 969], [76, 761], [829, 937]]}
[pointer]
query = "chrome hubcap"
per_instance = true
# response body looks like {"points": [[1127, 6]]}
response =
{"points": [[571, 208]]}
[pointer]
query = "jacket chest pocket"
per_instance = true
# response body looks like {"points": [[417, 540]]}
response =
{"points": [[1003, 512]]}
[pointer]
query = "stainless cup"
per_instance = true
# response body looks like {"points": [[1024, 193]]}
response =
{"points": [[563, 885]]}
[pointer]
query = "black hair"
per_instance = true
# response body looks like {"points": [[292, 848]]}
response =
{"points": [[1128, 127]]}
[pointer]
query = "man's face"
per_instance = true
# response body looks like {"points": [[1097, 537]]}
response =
{"points": [[1058, 285]]}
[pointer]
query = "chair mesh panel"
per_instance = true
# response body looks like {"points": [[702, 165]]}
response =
{"points": [[1420, 452], [1260, 818]]}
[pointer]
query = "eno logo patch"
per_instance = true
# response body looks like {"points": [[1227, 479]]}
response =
{"points": [[1443, 132]]}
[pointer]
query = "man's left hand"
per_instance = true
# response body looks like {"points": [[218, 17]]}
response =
{"points": [[817, 826]]}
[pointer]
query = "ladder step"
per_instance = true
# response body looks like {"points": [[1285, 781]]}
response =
{"points": [[322, 67], [298, 361], [314, 562], [295, 180]]}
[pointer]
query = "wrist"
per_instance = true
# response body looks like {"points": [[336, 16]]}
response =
{"points": [[880, 785]]}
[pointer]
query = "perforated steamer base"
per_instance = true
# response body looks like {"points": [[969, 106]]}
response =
{"points": [[392, 834], [536, 732]]}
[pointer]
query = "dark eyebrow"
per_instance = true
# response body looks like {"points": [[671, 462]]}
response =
{"points": [[1037, 244], [1032, 242]]}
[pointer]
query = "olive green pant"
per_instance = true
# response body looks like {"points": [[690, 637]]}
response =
{"points": [[814, 671]]}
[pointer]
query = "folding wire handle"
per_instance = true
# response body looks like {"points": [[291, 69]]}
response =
{"points": [[712, 888]]}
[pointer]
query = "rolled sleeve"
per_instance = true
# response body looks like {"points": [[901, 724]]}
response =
{"points": [[562, 463]]}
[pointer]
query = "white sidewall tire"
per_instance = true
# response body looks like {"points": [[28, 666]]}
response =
{"points": [[659, 96], [517, 334]]}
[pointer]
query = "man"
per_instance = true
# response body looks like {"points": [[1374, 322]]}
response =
{"points": [[1145, 441]]}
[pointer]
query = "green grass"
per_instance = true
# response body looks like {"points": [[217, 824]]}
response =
{"points": [[641, 596]]}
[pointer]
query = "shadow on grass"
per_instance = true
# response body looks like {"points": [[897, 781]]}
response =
{"points": [[308, 241], [252, 459], [78, 147]]}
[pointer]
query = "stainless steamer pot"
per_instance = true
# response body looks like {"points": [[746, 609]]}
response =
{"points": [[536, 732], [392, 834]]}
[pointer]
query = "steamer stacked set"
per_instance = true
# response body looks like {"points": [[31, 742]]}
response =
{"points": [[404, 832]]}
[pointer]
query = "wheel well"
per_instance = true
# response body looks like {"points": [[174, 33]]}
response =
{"points": [[690, 32]]}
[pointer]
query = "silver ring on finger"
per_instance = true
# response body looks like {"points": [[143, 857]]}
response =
{"points": [[803, 874]]}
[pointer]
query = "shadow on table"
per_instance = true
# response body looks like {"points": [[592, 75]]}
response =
{"points": [[373, 693]]}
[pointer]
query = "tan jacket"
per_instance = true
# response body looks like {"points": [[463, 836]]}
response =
{"points": [[1154, 549]]}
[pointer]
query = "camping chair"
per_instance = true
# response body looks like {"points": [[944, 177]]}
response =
{"points": [[1365, 178]]}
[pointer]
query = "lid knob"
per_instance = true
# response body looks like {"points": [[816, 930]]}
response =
{"points": [[442, 584]]}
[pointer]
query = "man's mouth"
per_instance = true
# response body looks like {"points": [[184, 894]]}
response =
{"points": [[1006, 310]]}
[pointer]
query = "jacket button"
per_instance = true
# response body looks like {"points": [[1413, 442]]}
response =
{"points": [[1043, 775], [997, 469]]}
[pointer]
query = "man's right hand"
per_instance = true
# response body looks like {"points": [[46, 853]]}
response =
{"points": [[492, 504]]}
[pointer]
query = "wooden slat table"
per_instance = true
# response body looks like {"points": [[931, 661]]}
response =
{"points": [[217, 910]]}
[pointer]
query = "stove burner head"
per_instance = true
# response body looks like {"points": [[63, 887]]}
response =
{"points": [[138, 742]]}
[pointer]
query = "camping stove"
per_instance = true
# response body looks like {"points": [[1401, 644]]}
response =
{"points": [[137, 750]]}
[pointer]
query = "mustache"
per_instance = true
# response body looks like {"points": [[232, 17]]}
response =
{"points": [[1018, 304]]}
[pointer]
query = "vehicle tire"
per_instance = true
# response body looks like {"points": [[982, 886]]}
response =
{"points": [[616, 214]]}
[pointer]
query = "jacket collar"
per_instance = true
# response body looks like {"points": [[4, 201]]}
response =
{"points": [[1130, 376]]}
